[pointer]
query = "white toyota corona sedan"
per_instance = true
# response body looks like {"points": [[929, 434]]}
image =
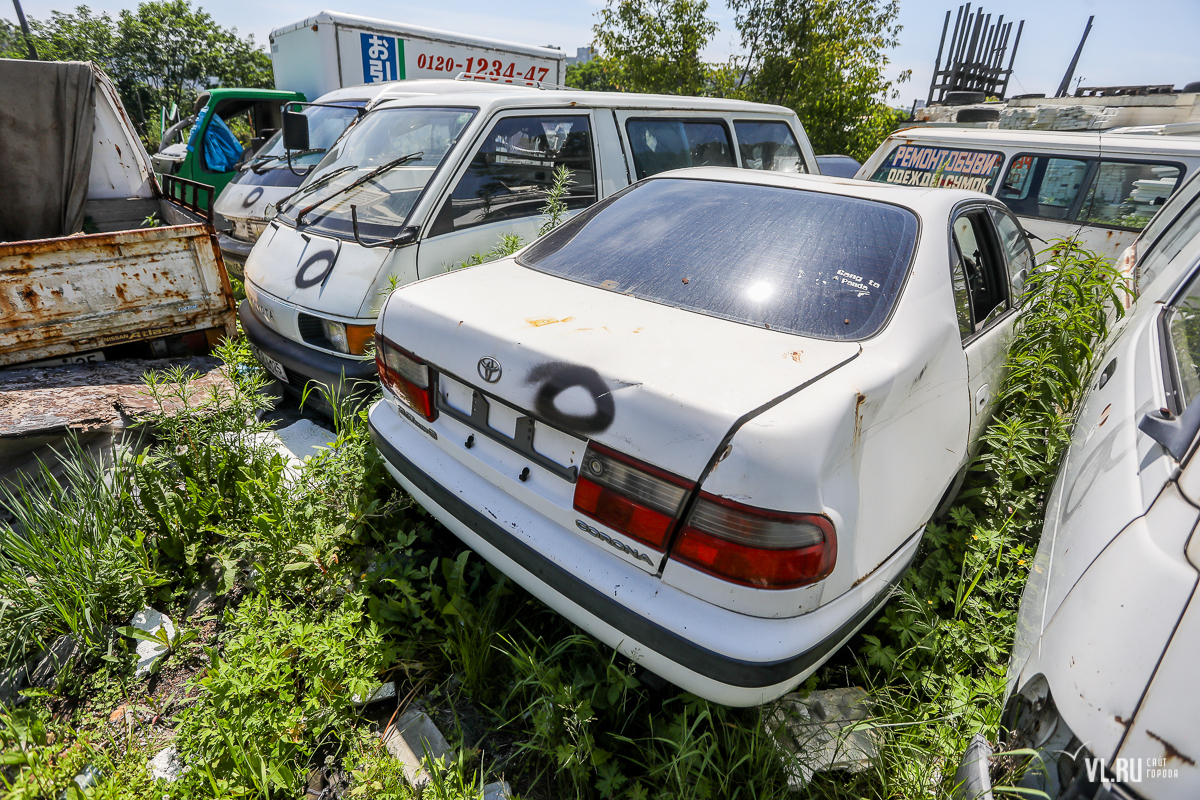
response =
{"points": [[707, 418]]}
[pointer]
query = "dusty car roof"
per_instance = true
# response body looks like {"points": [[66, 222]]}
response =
{"points": [[488, 94], [922, 200], [1058, 140]]}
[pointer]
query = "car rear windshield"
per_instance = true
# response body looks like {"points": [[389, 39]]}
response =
{"points": [[791, 260]]}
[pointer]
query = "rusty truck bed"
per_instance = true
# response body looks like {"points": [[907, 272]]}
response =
{"points": [[84, 293]]}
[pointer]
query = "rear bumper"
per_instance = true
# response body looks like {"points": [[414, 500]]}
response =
{"points": [[306, 365], [730, 658]]}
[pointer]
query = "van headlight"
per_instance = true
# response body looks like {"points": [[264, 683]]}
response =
{"points": [[349, 339]]}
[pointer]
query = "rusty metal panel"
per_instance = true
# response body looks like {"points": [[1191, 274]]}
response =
{"points": [[77, 293]]}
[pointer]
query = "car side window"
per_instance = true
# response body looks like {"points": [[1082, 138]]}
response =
{"points": [[980, 271], [513, 169], [768, 146], [1183, 333], [662, 144], [1042, 186], [1174, 236], [1017, 252], [1128, 193]]}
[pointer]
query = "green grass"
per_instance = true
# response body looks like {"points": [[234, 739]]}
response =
{"points": [[353, 583]]}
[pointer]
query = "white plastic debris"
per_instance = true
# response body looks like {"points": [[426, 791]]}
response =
{"points": [[150, 621], [824, 730], [167, 764], [384, 692], [413, 739], [297, 441]]}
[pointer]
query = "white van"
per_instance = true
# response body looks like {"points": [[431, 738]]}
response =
{"points": [[274, 173], [1102, 187], [422, 182]]}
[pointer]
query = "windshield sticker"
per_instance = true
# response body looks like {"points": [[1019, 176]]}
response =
{"points": [[940, 168]]}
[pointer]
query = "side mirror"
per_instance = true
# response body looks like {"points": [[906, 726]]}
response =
{"points": [[1174, 433], [295, 131]]}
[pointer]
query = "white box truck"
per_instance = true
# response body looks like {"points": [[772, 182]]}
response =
{"points": [[332, 50]]}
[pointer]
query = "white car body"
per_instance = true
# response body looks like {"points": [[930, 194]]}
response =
{"points": [[1108, 636], [298, 280], [884, 423], [1086, 177]]}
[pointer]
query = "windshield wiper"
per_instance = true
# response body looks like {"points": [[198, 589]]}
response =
{"points": [[321, 181], [260, 161], [359, 182]]}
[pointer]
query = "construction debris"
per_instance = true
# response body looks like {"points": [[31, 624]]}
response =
{"points": [[824, 730], [413, 740]]}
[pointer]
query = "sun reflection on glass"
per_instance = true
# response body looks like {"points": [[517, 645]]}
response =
{"points": [[760, 291]]}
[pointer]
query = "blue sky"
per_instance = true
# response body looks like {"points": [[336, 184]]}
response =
{"points": [[1130, 43]]}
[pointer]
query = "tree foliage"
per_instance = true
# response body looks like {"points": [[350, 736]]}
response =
{"points": [[653, 46], [161, 54], [825, 59]]}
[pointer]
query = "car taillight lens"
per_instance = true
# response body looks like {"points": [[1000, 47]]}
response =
{"points": [[628, 495], [754, 546], [407, 376]]}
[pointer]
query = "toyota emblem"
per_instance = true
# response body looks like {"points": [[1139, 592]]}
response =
{"points": [[490, 369]]}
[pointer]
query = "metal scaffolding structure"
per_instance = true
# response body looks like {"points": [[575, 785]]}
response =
{"points": [[975, 60]]}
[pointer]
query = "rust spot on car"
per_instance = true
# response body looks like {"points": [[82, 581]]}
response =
{"points": [[537, 323], [725, 453], [1170, 751], [1120, 720], [795, 355], [858, 404], [685, 280]]}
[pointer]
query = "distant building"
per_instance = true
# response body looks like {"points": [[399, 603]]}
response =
{"points": [[582, 56]]}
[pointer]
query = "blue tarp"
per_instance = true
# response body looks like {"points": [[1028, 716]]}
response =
{"points": [[221, 148]]}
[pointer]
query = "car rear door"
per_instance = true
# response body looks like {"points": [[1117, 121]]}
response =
{"points": [[983, 299]]}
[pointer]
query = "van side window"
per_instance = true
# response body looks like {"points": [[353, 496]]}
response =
{"points": [[662, 144], [1041, 186], [768, 146], [982, 270], [512, 170], [1127, 193], [1017, 251]]}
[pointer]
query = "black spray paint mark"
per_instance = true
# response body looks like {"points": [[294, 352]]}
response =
{"points": [[252, 198], [326, 257], [557, 377]]}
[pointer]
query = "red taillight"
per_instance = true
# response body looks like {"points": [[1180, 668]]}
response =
{"points": [[634, 498], [756, 547], [407, 376]]}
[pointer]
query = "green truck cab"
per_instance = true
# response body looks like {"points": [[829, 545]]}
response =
{"points": [[212, 152]]}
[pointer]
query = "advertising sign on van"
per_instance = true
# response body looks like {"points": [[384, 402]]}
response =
{"points": [[940, 167], [390, 58], [381, 57]]}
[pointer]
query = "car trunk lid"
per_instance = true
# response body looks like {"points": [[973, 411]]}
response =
{"points": [[657, 383]]}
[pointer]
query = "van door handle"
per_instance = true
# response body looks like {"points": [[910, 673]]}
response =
{"points": [[981, 398]]}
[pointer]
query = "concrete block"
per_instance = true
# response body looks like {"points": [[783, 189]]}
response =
{"points": [[824, 730], [411, 740]]}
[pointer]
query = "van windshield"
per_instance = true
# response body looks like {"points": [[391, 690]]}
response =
{"points": [[325, 125], [384, 201], [804, 262]]}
